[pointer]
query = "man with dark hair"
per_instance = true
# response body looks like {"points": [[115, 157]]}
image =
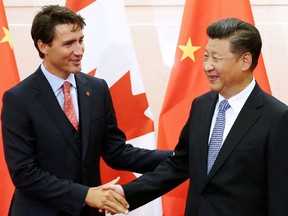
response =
{"points": [[58, 122], [234, 145]]}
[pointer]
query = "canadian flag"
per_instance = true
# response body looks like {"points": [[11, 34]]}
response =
{"points": [[188, 80], [8, 78], [109, 54]]}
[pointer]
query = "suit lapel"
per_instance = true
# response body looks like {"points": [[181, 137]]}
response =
{"points": [[84, 95], [47, 98], [205, 118], [245, 120]]}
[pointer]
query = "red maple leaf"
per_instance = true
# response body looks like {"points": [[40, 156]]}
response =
{"points": [[93, 72], [130, 109]]}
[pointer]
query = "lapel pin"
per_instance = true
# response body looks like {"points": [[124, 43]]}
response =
{"points": [[88, 93]]}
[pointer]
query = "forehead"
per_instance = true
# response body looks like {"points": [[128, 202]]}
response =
{"points": [[67, 30], [219, 46]]}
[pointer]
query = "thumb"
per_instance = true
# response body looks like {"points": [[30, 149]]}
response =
{"points": [[113, 182]]}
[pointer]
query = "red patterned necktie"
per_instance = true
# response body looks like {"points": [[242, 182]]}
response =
{"points": [[68, 105]]}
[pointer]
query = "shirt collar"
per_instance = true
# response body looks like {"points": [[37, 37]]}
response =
{"points": [[55, 81], [237, 102]]}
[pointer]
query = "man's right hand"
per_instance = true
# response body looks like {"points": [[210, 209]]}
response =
{"points": [[100, 198]]}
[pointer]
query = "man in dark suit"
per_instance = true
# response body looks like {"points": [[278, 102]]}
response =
{"points": [[54, 162], [250, 172]]}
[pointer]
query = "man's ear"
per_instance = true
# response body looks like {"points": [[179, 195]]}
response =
{"points": [[246, 61], [43, 47]]}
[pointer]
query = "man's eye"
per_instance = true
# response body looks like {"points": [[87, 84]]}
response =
{"points": [[216, 59]]}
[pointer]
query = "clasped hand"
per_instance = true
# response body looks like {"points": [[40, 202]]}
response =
{"points": [[108, 197]]}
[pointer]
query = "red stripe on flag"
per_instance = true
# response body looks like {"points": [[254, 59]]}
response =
{"points": [[9, 77], [130, 109]]}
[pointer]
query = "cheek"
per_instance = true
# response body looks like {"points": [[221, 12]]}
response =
{"points": [[66, 55], [226, 72]]}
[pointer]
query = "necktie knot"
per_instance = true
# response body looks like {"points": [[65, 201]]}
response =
{"points": [[224, 105], [66, 86]]}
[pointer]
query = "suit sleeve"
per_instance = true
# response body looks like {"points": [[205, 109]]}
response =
{"points": [[20, 152], [168, 175], [119, 155]]}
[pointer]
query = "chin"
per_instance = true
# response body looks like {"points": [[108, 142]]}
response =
{"points": [[213, 88], [75, 71]]}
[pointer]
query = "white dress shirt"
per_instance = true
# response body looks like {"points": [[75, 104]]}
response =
{"points": [[236, 103], [56, 85]]}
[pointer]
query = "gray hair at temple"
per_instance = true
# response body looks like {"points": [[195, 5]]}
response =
{"points": [[244, 37]]}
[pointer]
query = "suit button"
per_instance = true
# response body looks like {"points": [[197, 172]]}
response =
{"points": [[204, 195], [66, 208]]}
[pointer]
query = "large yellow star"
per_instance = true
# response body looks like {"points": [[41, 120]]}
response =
{"points": [[7, 37], [188, 50]]}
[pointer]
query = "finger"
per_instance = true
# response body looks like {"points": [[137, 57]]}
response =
{"points": [[115, 208], [106, 211], [109, 210], [117, 188], [119, 199]]}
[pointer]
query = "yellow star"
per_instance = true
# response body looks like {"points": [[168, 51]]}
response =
{"points": [[7, 37], [188, 50]]}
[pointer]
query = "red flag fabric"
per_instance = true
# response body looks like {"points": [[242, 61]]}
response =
{"points": [[188, 80], [8, 78], [109, 54]]}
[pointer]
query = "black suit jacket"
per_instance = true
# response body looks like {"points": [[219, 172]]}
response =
{"points": [[51, 164], [250, 174]]}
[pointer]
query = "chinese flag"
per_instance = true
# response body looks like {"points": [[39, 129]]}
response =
{"points": [[8, 78], [188, 80], [109, 54]]}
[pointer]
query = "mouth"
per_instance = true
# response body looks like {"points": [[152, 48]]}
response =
{"points": [[213, 78], [76, 62]]}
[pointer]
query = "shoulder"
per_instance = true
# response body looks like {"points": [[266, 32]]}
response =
{"points": [[28, 84], [90, 80], [95, 85], [273, 103], [260, 97]]}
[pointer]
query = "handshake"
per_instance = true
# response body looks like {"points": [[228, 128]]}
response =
{"points": [[108, 197]]}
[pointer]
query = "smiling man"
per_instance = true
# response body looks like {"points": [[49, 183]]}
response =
{"points": [[58, 122], [234, 145]]}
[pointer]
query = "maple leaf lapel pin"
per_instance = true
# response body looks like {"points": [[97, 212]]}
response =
{"points": [[87, 93]]}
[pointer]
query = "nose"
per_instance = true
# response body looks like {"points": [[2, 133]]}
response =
{"points": [[208, 65], [79, 49]]}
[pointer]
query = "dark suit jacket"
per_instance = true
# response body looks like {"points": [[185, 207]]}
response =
{"points": [[250, 175], [51, 164]]}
